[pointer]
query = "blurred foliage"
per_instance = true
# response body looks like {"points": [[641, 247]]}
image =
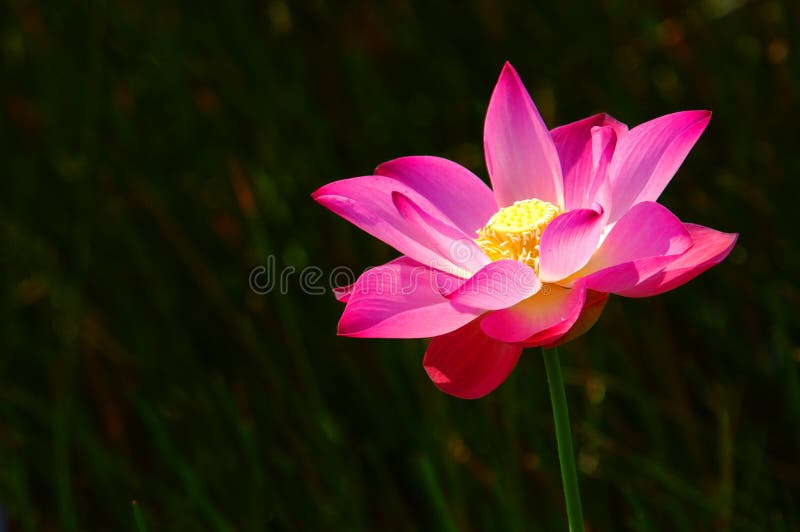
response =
{"points": [[154, 153]]}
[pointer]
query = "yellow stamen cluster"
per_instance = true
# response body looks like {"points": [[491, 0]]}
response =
{"points": [[514, 231]]}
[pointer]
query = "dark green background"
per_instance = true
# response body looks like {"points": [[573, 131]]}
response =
{"points": [[153, 154]]}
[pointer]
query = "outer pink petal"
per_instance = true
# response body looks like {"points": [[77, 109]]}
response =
{"points": [[497, 285], [709, 248], [568, 243], [585, 148], [342, 293], [400, 300], [620, 278], [520, 154], [468, 364], [592, 308], [452, 248], [456, 191], [649, 155], [647, 230], [367, 203], [551, 307]]}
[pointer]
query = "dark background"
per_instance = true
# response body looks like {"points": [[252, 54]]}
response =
{"points": [[153, 154]]}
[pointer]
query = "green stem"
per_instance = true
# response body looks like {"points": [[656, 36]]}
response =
{"points": [[137, 517], [566, 455]]}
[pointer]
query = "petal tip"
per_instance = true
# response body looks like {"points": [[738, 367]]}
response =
{"points": [[696, 116], [509, 74], [732, 239], [704, 117]]}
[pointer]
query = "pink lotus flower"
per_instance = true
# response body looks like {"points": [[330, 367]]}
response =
{"points": [[572, 218]]}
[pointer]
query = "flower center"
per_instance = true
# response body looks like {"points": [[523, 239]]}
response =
{"points": [[514, 232]]}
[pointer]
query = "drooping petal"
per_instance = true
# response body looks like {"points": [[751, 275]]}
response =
{"points": [[497, 285], [520, 155], [468, 364], [563, 332], [649, 155], [456, 191], [585, 149], [568, 243], [708, 249], [552, 306], [367, 203], [444, 240], [400, 300]]}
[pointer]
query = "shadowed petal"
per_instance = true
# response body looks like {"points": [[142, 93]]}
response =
{"points": [[585, 148], [468, 364], [457, 192], [604, 139], [520, 155], [400, 300], [649, 155], [592, 308], [552, 306], [709, 248]]}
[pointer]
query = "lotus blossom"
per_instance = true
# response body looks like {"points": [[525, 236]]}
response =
{"points": [[571, 218]]}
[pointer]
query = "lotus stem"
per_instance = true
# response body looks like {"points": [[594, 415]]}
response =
{"points": [[566, 454]]}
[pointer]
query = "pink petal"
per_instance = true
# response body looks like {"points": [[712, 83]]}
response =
{"points": [[592, 308], [620, 278], [520, 154], [497, 285], [640, 244], [451, 247], [468, 364], [604, 140], [367, 203], [342, 293], [649, 155], [552, 306], [647, 230], [456, 191], [585, 149], [568, 330], [568, 243], [709, 248], [400, 300]]}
